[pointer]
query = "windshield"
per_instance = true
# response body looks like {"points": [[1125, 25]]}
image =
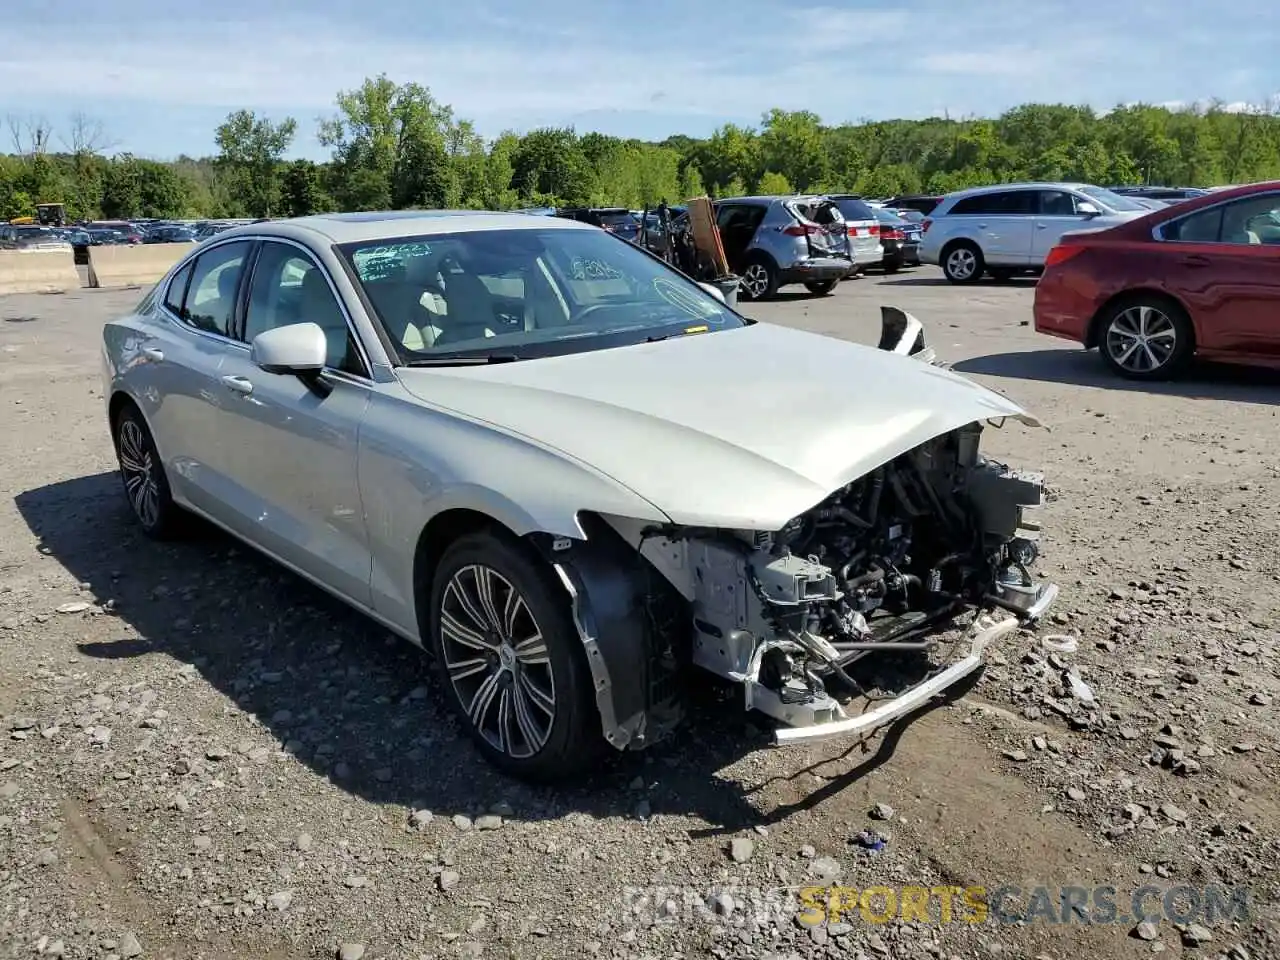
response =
{"points": [[518, 294], [1112, 200]]}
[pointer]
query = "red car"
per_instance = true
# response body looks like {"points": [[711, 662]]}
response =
{"points": [[1200, 278]]}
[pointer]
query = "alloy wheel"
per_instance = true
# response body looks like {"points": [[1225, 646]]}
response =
{"points": [[756, 280], [138, 467], [497, 661], [961, 263], [1141, 339]]}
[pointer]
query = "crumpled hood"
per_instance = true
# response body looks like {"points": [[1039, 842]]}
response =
{"points": [[742, 428]]}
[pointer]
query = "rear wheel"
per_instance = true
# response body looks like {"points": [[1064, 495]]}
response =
{"points": [[508, 654], [145, 483], [759, 279], [820, 288], [962, 262], [1146, 338]]}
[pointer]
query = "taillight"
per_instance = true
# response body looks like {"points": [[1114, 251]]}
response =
{"points": [[925, 224], [892, 233], [875, 229], [1062, 253], [801, 230]]}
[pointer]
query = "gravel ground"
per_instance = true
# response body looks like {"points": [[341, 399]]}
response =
{"points": [[203, 757]]}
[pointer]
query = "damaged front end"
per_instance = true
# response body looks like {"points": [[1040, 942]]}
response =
{"points": [[884, 564]]}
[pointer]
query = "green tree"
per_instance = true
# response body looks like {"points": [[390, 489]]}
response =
{"points": [[791, 144], [300, 190], [250, 148], [774, 183]]}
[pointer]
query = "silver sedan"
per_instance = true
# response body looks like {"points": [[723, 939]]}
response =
{"points": [[572, 474]]}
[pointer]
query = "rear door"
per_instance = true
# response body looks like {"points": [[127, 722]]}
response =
{"points": [[1003, 223]]}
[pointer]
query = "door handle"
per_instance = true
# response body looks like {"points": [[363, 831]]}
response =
{"points": [[1194, 260], [151, 353], [238, 385], [982, 226], [1042, 226]]}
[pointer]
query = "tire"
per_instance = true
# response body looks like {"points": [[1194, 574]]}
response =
{"points": [[759, 279], [892, 266], [146, 486], [1146, 337], [539, 722], [963, 262], [820, 288]]}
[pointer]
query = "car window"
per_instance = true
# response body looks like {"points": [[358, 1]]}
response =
{"points": [[1203, 226], [1252, 220], [177, 289], [211, 296], [1112, 201], [289, 287], [1057, 203], [527, 293], [855, 209], [1010, 202]]}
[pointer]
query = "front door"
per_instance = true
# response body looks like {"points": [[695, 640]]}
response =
{"points": [[737, 223], [1055, 215], [289, 444]]}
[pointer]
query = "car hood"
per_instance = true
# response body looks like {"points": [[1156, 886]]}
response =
{"points": [[743, 428]]}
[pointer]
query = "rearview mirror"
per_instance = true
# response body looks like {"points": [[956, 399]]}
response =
{"points": [[1087, 209], [296, 348]]}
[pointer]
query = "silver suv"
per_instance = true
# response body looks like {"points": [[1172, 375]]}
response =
{"points": [[1011, 228], [773, 241]]}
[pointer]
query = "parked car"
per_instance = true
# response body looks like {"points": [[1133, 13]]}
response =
{"points": [[1011, 228], [863, 222], [899, 241], [771, 242], [510, 481], [128, 231], [925, 203], [1201, 277], [616, 220], [170, 233], [31, 238]]}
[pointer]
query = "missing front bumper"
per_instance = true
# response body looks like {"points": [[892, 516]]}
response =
{"points": [[833, 721]]}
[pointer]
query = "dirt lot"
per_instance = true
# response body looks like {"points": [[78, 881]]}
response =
{"points": [[203, 757]]}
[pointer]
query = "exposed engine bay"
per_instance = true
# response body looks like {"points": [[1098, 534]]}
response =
{"points": [[883, 564], [874, 567]]}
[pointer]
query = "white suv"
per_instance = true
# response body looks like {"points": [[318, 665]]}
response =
{"points": [[1011, 228]]}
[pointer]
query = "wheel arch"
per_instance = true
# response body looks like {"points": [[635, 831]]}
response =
{"points": [[1094, 331], [606, 586]]}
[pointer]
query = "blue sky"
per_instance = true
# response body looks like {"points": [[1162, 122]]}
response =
{"points": [[160, 75]]}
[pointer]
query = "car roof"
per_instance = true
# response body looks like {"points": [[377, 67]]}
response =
{"points": [[391, 224], [1021, 185]]}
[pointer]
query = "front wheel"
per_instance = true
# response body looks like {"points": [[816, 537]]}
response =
{"points": [[962, 263], [510, 658], [1146, 338], [820, 288], [145, 485]]}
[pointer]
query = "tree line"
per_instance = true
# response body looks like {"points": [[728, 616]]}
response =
{"points": [[395, 146]]}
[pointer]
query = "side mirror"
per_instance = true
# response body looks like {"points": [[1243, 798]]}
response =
{"points": [[296, 348], [714, 291], [1087, 209]]}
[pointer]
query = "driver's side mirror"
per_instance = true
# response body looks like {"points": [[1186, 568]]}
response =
{"points": [[715, 291], [296, 348], [1087, 209]]}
